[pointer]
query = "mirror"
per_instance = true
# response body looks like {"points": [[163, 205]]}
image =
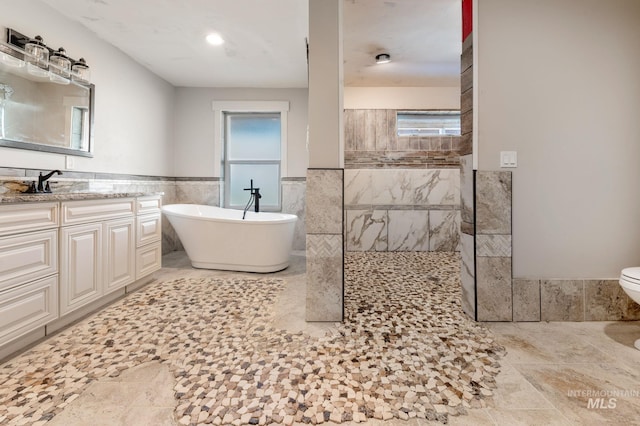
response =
{"points": [[40, 114]]}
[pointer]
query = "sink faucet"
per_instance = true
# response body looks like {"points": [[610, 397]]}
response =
{"points": [[43, 179]]}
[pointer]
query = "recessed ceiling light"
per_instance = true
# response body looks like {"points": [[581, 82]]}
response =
{"points": [[215, 39]]}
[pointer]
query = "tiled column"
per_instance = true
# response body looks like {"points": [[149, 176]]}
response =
{"points": [[325, 260], [325, 176], [493, 246]]}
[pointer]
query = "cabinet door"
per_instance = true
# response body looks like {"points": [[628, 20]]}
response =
{"points": [[80, 266], [119, 254]]}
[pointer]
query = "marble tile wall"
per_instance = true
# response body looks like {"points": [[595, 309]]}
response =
{"points": [[325, 245], [402, 209]]}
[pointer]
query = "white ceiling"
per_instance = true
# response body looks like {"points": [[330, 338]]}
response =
{"points": [[265, 39]]}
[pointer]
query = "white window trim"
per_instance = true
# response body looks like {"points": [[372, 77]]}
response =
{"points": [[220, 107]]}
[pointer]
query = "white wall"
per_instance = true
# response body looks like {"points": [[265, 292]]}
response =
{"points": [[133, 107], [194, 153], [559, 83], [402, 97]]}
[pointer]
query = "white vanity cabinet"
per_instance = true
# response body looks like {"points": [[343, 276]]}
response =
{"points": [[28, 268], [62, 260]]}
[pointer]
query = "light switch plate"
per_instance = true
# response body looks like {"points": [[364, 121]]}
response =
{"points": [[508, 159]]}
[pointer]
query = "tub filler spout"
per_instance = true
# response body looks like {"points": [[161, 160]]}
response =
{"points": [[253, 198]]}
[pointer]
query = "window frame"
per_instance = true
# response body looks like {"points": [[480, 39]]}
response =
{"points": [[221, 108], [442, 131]]}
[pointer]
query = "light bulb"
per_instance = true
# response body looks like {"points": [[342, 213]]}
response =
{"points": [[215, 39]]}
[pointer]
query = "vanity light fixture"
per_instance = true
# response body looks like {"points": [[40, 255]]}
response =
{"points": [[80, 71], [37, 57], [60, 72], [383, 58], [215, 39], [42, 61]]}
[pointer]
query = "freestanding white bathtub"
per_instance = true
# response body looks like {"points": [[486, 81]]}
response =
{"points": [[217, 238]]}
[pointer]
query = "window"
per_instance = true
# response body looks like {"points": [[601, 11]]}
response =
{"points": [[252, 147], [428, 123], [252, 143]]}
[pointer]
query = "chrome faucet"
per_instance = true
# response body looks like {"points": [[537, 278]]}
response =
{"points": [[43, 179]]}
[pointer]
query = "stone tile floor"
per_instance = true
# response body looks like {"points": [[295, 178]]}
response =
{"points": [[160, 359]]}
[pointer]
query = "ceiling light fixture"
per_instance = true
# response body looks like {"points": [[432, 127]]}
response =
{"points": [[383, 58], [215, 39]]}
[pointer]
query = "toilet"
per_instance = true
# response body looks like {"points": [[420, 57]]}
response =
{"points": [[630, 282]]}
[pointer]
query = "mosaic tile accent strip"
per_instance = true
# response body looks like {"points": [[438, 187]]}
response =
{"points": [[493, 245], [405, 350], [322, 245]]}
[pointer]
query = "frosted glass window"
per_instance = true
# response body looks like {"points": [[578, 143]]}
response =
{"points": [[252, 151], [265, 176], [254, 136]]}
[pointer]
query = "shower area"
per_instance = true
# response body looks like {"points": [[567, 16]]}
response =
{"points": [[402, 180]]}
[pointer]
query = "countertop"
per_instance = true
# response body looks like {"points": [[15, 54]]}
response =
{"points": [[69, 196]]}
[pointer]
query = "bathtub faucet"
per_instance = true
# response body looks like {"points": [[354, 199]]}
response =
{"points": [[43, 179], [254, 198]]}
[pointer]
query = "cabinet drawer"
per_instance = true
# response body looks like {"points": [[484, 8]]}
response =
{"points": [[148, 204], [27, 257], [25, 308], [149, 229], [148, 259], [76, 212], [15, 218]]}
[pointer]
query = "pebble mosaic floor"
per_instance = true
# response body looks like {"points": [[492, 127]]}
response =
{"points": [[405, 350]]}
